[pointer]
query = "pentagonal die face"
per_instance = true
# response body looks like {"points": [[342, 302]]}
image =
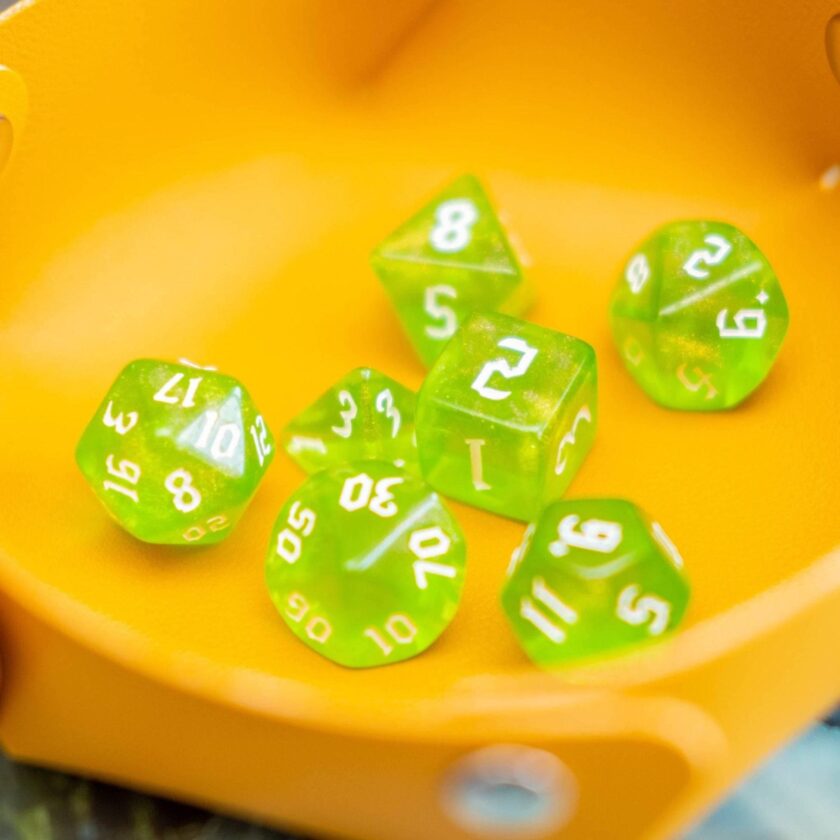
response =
{"points": [[507, 415], [366, 564], [698, 316], [593, 578], [175, 452], [364, 416], [449, 260]]}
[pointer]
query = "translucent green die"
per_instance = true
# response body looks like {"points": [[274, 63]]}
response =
{"points": [[365, 415], [447, 261], [175, 452], [366, 564], [698, 316], [593, 578], [507, 415]]}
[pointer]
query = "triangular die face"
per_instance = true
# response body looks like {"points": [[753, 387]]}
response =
{"points": [[364, 415], [459, 227], [217, 436]]}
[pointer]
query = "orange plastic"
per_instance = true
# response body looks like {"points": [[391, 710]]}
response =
{"points": [[204, 178]]}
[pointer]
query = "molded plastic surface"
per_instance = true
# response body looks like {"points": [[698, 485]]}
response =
{"points": [[206, 179]]}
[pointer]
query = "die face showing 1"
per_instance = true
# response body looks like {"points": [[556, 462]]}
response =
{"points": [[450, 259], [175, 452], [366, 564], [698, 316], [507, 415], [365, 415], [593, 578]]}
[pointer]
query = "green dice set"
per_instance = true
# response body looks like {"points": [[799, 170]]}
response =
{"points": [[366, 563]]}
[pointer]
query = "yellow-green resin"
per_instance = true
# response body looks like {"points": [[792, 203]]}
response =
{"points": [[365, 415], [593, 578], [450, 259], [507, 415], [175, 452], [366, 564], [698, 316]]}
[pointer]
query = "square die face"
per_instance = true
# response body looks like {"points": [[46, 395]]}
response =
{"points": [[489, 411]]}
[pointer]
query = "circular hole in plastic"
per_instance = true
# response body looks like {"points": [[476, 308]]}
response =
{"points": [[510, 791]]}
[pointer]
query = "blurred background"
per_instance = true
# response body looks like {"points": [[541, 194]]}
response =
{"points": [[793, 796]]}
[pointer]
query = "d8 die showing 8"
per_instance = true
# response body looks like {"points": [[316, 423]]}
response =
{"points": [[450, 259], [591, 578], [175, 452], [365, 564]]}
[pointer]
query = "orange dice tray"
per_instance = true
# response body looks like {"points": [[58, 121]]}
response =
{"points": [[206, 179]]}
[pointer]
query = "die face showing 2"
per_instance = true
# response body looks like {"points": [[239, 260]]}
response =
{"points": [[365, 415], [507, 415], [175, 452], [366, 564], [698, 316], [593, 578], [450, 259]]}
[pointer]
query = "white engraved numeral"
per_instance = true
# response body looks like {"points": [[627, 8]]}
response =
{"points": [[360, 491], [749, 323], [126, 471], [593, 535], [222, 440], [453, 230], [439, 311], [185, 495], [301, 443], [399, 628], [667, 544], [301, 522], [317, 627], [551, 601], [503, 367], [165, 395], [426, 544], [719, 249], [259, 433], [637, 273], [703, 380], [570, 438], [647, 609], [384, 404], [347, 414], [188, 363], [476, 465], [198, 532], [123, 423]]}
